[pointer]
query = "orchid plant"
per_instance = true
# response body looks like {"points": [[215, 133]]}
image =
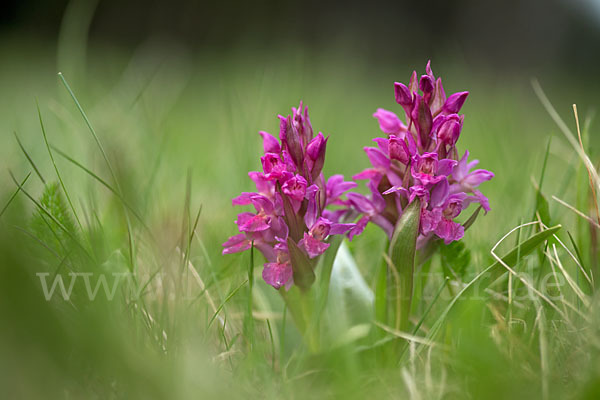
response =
{"points": [[290, 224], [418, 185]]}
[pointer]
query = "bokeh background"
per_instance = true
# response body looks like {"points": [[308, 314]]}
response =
{"points": [[177, 92], [209, 75]]}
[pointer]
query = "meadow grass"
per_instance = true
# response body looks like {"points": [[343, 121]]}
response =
{"points": [[128, 171]]}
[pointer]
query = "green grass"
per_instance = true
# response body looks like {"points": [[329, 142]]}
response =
{"points": [[168, 134]]}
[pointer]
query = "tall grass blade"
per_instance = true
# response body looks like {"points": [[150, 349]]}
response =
{"points": [[10, 200], [62, 184], [35, 168]]}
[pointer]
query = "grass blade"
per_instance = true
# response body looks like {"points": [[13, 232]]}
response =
{"points": [[492, 272], [14, 194], [62, 184], [35, 168], [229, 296]]}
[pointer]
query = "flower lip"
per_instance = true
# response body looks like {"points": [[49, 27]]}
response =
{"points": [[272, 163], [313, 246], [320, 230], [427, 163], [453, 208], [278, 274], [295, 187]]}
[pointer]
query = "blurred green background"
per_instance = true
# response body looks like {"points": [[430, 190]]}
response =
{"points": [[177, 92]]}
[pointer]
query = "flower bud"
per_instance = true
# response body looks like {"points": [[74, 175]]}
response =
{"points": [[398, 149], [389, 122], [448, 129], [455, 102], [421, 114], [292, 141], [439, 97], [402, 94], [270, 144], [426, 84], [316, 152]]}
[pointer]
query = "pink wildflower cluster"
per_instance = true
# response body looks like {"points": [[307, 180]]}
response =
{"points": [[418, 160], [290, 202]]}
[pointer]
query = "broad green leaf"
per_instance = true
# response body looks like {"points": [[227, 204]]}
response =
{"points": [[323, 272], [349, 290], [381, 294], [304, 275], [300, 303], [326, 262], [402, 263]]}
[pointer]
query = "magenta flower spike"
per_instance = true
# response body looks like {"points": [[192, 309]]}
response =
{"points": [[295, 209], [418, 161]]}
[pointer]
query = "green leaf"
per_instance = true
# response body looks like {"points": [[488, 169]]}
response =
{"points": [[541, 203], [402, 263], [304, 275], [350, 298], [520, 251], [380, 294], [308, 297], [324, 270], [542, 208], [326, 261], [301, 305], [472, 218]]}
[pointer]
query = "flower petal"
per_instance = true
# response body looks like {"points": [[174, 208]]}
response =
{"points": [[236, 244], [312, 246], [377, 158], [276, 274], [249, 222], [270, 143], [388, 121], [449, 230], [455, 102]]}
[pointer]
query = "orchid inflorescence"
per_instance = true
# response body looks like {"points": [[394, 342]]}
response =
{"points": [[291, 222], [417, 159]]}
